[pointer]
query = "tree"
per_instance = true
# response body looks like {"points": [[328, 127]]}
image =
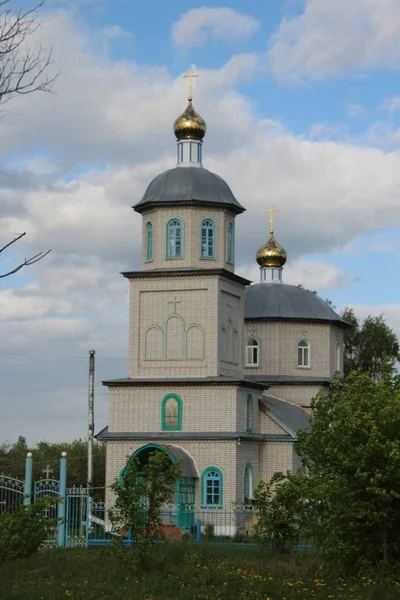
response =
{"points": [[352, 459], [26, 262], [369, 344], [140, 495], [12, 462], [23, 70]]}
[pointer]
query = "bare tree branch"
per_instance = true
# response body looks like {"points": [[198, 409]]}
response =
{"points": [[28, 261], [23, 70]]}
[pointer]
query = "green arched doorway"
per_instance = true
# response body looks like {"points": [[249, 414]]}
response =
{"points": [[183, 503]]}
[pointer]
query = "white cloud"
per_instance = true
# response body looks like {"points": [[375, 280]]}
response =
{"points": [[337, 37], [221, 23], [390, 312], [355, 110], [313, 275], [391, 104]]}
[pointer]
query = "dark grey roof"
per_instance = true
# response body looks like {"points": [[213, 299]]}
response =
{"points": [[127, 381], [287, 379], [183, 272], [179, 454], [279, 301], [105, 435], [188, 184], [287, 413]]}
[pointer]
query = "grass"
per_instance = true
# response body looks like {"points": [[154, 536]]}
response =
{"points": [[184, 571]]}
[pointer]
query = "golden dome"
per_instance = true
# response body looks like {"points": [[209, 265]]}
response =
{"points": [[271, 254], [190, 125]]}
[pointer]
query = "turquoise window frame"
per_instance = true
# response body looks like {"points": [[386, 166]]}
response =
{"points": [[178, 426], [247, 482], [149, 241], [204, 487], [249, 413], [208, 226], [230, 235], [176, 226]]}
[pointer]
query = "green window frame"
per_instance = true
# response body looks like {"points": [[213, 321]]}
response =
{"points": [[249, 413], [149, 241], [229, 256], [174, 239], [212, 487], [207, 239], [171, 413], [248, 484]]}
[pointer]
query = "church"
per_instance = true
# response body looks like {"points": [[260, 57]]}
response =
{"points": [[221, 370]]}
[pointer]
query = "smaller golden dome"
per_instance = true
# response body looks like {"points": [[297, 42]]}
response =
{"points": [[271, 254], [190, 125]]}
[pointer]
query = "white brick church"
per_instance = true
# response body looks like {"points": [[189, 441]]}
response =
{"points": [[221, 371]]}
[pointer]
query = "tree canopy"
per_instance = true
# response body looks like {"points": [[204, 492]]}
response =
{"points": [[368, 344], [12, 461], [347, 495]]}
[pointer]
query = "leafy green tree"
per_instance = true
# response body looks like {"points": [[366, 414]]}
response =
{"points": [[12, 462], [352, 457], [368, 344], [22, 532], [139, 497], [281, 510]]}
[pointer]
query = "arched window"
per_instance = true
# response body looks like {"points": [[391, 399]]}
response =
{"points": [[248, 484], [149, 241], [338, 358], [171, 412], [252, 353], [249, 413], [303, 354], [212, 487], [207, 239], [229, 257], [174, 238]]}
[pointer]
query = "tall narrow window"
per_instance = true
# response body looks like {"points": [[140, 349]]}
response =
{"points": [[303, 354], [149, 247], [230, 243], [338, 358], [207, 241], [212, 487], [171, 412], [248, 484], [174, 238], [252, 353], [249, 413]]}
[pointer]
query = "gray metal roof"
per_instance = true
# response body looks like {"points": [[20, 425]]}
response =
{"points": [[288, 379], [287, 413], [149, 381], [105, 435], [188, 184], [179, 454], [282, 301]]}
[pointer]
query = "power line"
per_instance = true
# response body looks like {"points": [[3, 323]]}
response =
{"points": [[59, 356]]}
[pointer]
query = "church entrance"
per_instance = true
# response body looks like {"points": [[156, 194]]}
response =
{"points": [[181, 508]]}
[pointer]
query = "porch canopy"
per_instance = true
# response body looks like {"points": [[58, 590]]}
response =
{"points": [[175, 453]]}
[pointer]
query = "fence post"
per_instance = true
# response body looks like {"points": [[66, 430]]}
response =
{"points": [[28, 479], [62, 501], [198, 530]]}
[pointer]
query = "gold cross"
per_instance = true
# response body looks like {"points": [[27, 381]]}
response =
{"points": [[271, 209], [189, 75]]}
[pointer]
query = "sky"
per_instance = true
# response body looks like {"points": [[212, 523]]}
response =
{"points": [[302, 104]]}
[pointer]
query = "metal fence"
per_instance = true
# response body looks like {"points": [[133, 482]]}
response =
{"points": [[226, 524]]}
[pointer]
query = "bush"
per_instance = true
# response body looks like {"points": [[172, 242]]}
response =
{"points": [[22, 532]]}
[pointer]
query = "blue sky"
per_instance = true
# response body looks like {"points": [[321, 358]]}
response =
{"points": [[302, 103]]}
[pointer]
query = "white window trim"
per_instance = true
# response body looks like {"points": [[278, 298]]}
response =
{"points": [[309, 354], [253, 365]]}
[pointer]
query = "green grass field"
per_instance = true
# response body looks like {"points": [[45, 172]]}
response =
{"points": [[181, 571]]}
